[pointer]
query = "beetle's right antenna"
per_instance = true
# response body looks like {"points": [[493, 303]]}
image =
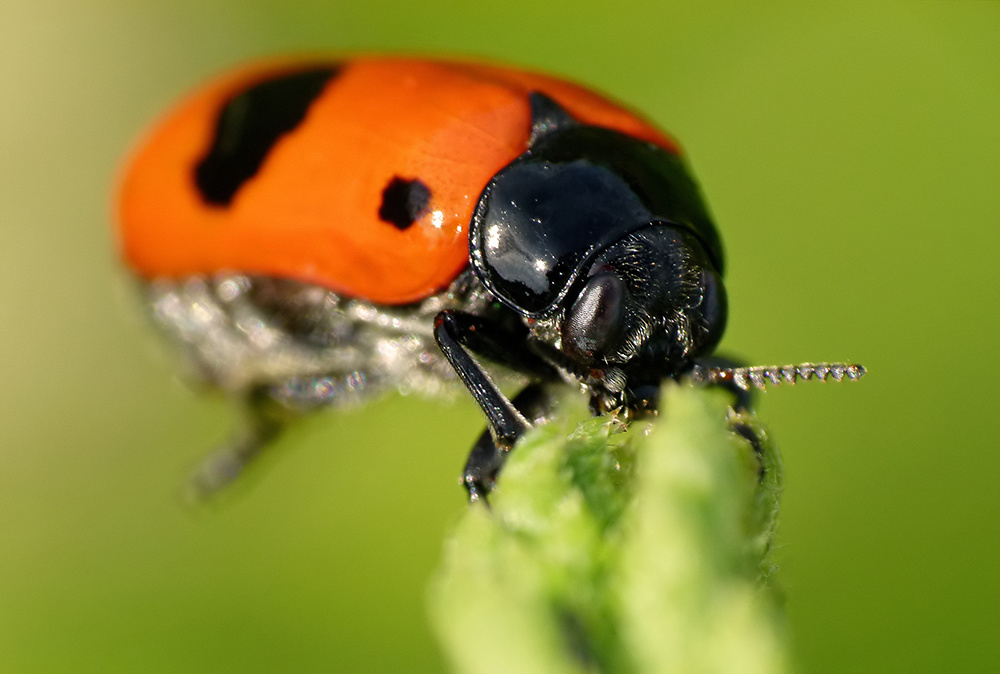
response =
{"points": [[760, 376]]}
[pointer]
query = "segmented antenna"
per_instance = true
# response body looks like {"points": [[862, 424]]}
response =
{"points": [[762, 375]]}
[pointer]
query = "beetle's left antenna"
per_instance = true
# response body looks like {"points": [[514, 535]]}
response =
{"points": [[760, 376]]}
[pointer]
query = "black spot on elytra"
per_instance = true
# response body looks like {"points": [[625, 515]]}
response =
{"points": [[403, 202], [248, 126]]}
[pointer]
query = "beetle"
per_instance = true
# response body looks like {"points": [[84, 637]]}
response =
{"points": [[312, 233]]}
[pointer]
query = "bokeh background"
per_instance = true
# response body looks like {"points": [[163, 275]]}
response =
{"points": [[851, 155]]}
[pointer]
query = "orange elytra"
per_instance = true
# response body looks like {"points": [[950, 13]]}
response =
{"points": [[312, 204]]}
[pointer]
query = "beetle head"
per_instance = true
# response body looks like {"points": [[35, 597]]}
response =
{"points": [[604, 237], [647, 305]]}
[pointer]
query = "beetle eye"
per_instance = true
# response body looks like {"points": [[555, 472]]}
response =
{"points": [[593, 324]]}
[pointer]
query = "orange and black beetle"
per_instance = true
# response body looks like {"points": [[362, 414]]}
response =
{"points": [[307, 231]]}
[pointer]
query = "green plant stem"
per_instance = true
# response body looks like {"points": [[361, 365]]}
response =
{"points": [[644, 550]]}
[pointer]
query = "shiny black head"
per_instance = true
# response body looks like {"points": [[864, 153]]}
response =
{"points": [[606, 236]]}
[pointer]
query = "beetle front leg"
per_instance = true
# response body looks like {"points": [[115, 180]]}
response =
{"points": [[457, 333], [742, 398], [535, 402], [453, 330], [742, 406]]}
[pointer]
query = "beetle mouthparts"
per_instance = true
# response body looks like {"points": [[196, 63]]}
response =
{"points": [[761, 375]]}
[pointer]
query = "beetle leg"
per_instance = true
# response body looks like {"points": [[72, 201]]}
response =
{"points": [[224, 465], [742, 405], [457, 333], [504, 345], [268, 409], [535, 402], [452, 331], [742, 398]]}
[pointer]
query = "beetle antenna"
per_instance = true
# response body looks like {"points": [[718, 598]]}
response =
{"points": [[760, 376]]}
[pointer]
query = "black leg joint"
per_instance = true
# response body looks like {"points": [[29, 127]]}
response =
{"points": [[453, 330], [535, 402]]}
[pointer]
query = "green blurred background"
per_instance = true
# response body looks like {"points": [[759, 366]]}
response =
{"points": [[851, 155]]}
